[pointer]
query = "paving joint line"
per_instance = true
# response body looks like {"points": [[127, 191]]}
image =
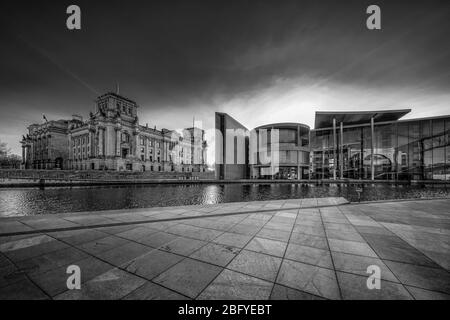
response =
{"points": [[114, 266], [27, 276], [36, 231], [370, 246], [331, 255], [184, 257], [419, 250], [189, 257], [285, 250], [240, 250]]}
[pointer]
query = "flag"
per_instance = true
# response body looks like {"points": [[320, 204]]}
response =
{"points": [[45, 118]]}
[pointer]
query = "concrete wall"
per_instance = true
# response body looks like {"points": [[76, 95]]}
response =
{"points": [[231, 152]]}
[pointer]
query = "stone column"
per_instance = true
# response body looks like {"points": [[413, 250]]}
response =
{"points": [[91, 143], [163, 149], [69, 162], [107, 141], [100, 142], [145, 148], [136, 144], [33, 156], [118, 142]]}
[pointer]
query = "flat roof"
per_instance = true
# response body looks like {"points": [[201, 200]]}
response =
{"points": [[283, 125], [324, 119]]}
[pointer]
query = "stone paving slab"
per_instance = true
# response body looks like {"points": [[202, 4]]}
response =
{"points": [[283, 249], [79, 220]]}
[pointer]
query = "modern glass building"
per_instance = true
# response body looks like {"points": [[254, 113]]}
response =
{"points": [[362, 145], [288, 159], [378, 145]]}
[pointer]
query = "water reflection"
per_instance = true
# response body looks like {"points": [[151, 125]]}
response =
{"points": [[211, 194], [59, 200]]}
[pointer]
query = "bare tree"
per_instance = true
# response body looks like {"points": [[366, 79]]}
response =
{"points": [[8, 161], [4, 149]]}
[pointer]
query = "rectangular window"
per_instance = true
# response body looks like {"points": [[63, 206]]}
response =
{"points": [[438, 149], [125, 137], [305, 142], [288, 136]]}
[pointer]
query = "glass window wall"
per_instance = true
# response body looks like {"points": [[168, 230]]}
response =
{"points": [[405, 150]]}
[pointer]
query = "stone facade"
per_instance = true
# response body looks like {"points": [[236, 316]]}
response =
{"points": [[113, 139], [46, 145]]}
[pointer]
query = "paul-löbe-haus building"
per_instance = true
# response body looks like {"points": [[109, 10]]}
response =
{"points": [[112, 139], [368, 145]]}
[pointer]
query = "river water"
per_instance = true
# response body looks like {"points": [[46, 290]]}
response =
{"points": [[33, 201]]}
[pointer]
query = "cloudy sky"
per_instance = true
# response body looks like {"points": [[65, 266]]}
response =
{"points": [[259, 61]]}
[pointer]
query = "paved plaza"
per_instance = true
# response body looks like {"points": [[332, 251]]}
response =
{"points": [[283, 249]]}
